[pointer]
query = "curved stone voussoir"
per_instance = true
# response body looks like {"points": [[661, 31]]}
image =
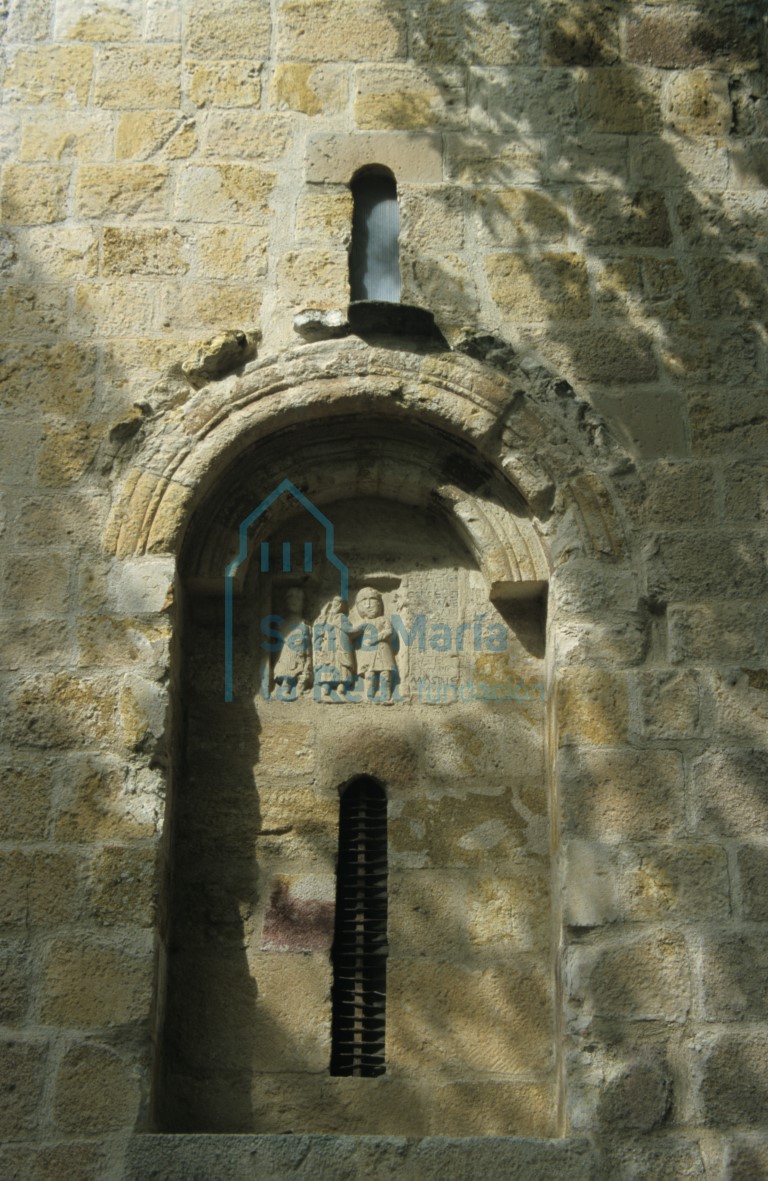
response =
{"points": [[512, 428]]}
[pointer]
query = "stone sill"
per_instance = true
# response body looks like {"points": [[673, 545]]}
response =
{"points": [[343, 1158]]}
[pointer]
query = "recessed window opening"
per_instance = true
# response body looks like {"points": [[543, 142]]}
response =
{"points": [[374, 259], [359, 953]]}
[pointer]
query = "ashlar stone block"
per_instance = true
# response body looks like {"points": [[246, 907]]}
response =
{"points": [[234, 29], [534, 288], [96, 1091], [639, 980], [50, 75], [369, 30], [223, 83], [34, 194], [22, 1069], [89, 985]]}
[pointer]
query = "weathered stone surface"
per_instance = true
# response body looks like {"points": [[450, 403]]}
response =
{"points": [[593, 707], [98, 20], [684, 567], [620, 100], [729, 632], [442, 1030], [64, 252], [38, 889], [308, 88], [25, 800], [82, 1159], [734, 1087], [670, 704], [122, 190], [89, 985], [62, 710], [728, 788], [676, 40], [638, 1097], [314, 324], [96, 1091], [517, 216], [584, 186], [697, 103], [33, 194], [247, 134], [145, 135], [747, 1156], [753, 871], [682, 493], [15, 973], [223, 83], [219, 356], [23, 1075], [585, 34], [123, 886], [621, 793], [231, 252], [733, 971], [530, 290], [219, 192], [100, 803], [369, 30], [142, 252], [38, 584], [56, 76], [428, 1159], [607, 217], [399, 98], [325, 217], [683, 881], [413, 157], [450, 34], [643, 979], [235, 30], [140, 78], [320, 277]]}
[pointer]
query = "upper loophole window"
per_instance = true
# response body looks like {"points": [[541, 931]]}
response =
{"points": [[374, 259]]}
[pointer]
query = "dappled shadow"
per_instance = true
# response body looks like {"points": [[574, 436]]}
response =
{"points": [[617, 203]]}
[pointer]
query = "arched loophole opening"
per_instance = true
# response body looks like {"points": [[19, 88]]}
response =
{"points": [[359, 953], [374, 259]]}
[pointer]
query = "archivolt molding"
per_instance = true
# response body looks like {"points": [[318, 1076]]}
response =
{"points": [[530, 427]]}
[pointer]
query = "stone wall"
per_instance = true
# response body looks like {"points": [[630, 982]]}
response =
{"points": [[583, 208]]}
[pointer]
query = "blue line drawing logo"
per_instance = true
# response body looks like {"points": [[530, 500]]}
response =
{"points": [[284, 565]]}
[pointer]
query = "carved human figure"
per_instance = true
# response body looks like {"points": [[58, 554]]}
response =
{"points": [[293, 665], [334, 655], [375, 658]]}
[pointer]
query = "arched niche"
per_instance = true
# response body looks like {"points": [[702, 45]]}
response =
{"points": [[458, 746], [491, 469]]}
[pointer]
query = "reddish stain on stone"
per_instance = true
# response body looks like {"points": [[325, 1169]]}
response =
{"points": [[296, 924]]}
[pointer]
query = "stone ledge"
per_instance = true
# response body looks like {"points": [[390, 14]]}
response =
{"points": [[328, 1158]]}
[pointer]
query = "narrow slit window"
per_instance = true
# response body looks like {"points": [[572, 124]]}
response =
{"points": [[374, 259], [359, 952]]}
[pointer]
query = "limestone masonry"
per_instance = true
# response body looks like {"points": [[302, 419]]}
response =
{"points": [[497, 553]]}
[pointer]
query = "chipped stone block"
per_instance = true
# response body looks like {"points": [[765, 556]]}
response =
{"points": [[314, 324], [215, 358]]}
